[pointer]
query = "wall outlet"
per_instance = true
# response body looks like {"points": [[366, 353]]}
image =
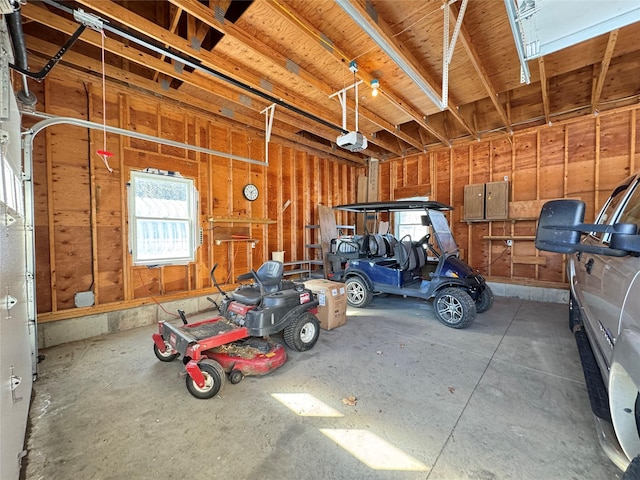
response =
{"points": [[509, 243]]}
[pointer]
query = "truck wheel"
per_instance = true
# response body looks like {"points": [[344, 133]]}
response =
{"points": [[485, 300], [165, 356], [302, 334], [214, 379], [454, 307], [633, 470], [575, 318], [358, 294]]}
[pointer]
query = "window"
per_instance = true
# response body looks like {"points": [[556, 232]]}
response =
{"points": [[410, 222], [163, 212]]}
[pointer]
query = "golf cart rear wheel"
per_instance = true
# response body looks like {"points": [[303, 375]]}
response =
{"points": [[358, 294], [166, 355], [214, 378], [485, 300], [302, 334], [454, 307]]}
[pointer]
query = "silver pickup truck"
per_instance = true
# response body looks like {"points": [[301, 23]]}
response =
{"points": [[603, 268]]}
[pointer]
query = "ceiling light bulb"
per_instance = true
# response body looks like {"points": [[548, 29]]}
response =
{"points": [[375, 85]]}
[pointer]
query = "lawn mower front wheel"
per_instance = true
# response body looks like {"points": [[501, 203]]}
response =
{"points": [[214, 379], [302, 334], [166, 355]]}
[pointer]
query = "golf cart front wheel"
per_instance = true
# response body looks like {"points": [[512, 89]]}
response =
{"points": [[302, 334], [214, 378], [454, 307], [166, 355], [358, 294]]}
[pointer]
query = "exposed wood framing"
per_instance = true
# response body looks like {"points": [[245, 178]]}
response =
{"points": [[364, 76], [544, 84], [205, 15], [603, 70]]}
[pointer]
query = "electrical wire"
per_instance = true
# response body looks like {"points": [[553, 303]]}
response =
{"points": [[154, 299]]}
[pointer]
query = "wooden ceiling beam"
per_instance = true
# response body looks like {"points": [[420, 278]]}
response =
{"points": [[402, 51], [474, 58], [202, 13], [307, 29], [175, 19], [111, 10], [604, 68], [79, 61], [544, 86]]}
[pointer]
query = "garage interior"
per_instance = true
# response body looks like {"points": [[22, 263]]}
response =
{"points": [[448, 105]]}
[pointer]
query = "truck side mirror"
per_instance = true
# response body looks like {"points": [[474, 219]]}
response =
{"points": [[554, 232]]}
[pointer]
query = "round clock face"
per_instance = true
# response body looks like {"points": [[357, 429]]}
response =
{"points": [[250, 192]]}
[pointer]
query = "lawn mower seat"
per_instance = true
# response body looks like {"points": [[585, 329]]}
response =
{"points": [[270, 274]]}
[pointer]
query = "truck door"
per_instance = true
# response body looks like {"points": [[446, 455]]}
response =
{"points": [[606, 279]]}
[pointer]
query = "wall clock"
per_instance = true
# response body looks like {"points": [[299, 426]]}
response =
{"points": [[250, 192]]}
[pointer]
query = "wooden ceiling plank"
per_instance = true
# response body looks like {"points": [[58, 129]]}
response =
{"points": [[544, 85], [308, 30], [175, 19], [200, 81], [402, 51], [111, 10], [474, 58], [611, 45], [195, 8]]}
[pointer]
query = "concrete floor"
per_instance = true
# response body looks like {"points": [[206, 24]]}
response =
{"points": [[503, 399]]}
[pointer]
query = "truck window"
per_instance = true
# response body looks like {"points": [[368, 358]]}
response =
{"points": [[631, 211], [607, 215]]}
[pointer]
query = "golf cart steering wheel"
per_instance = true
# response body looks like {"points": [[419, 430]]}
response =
{"points": [[424, 239]]}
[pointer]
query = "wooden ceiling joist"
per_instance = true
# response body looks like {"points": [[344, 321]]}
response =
{"points": [[544, 85], [474, 58], [46, 50], [604, 68], [311, 32], [197, 10], [400, 50], [208, 59]]}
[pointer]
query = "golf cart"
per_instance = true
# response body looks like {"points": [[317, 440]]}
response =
{"points": [[428, 268]]}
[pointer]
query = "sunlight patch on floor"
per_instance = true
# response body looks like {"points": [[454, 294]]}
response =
{"points": [[372, 450], [306, 405]]}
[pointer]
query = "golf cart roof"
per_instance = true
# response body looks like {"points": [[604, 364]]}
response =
{"points": [[397, 206]]}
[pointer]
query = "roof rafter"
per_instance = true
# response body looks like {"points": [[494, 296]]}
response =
{"points": [[604, 68], [474, 58], [402, 51], [544, 85], [208, 59], [207, 16], [217, 88], [364, 76]]}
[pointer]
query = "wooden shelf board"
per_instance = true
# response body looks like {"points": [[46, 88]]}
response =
{"points": [[241, 220], [509, 237]]}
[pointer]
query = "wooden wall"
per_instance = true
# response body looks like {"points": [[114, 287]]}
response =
{"points": [[81, 223], [81, 213], [583, 159]]}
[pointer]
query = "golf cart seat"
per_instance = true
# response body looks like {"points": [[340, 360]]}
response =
{"points": [[269, 275], [377, 245], [409, 255]]}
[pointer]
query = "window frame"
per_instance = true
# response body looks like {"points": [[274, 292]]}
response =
{"points": [[398, 224], [177, 228]]}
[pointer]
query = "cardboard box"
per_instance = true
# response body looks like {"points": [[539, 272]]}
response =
{"points": [[332, 311]]}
